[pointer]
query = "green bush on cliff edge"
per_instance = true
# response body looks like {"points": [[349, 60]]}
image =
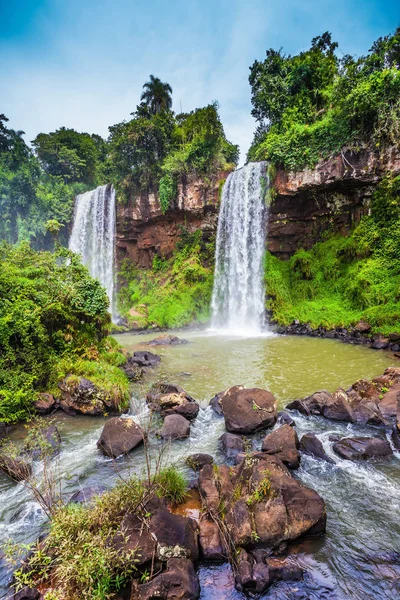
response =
{"points": [[344, 279]]}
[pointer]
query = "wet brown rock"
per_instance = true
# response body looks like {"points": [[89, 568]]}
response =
{"points": [[396, 438], [285, 419], [312, 405], [16, 468], [175, 427], [210, 540], [283, 443], [176, 536], [168, 399], [166, 340], [365, 410], [248, 410], [381, 343], [311, 445], [178, 582], [338, 407], [145, 359], [231, 444], [363, 327], [120, 436], [80, 395], [134, 536], [389, 401], [362, 448], [284, 570], [45, 404], [199, 460], [208, 489], [262, 501]]}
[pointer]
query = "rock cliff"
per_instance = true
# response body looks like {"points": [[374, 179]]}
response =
{"points": [[331, 197], [143, 231]]}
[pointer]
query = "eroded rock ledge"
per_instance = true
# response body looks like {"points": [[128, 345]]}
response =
{"points": [[331, 197]]}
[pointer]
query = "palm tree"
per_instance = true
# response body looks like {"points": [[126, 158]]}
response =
{"points": [[157, 95]]}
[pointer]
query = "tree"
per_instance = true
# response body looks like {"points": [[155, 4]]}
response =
{"points": [[72, 155], [157, 95]]}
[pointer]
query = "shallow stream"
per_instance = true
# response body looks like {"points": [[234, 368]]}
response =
{"points": [[359, 558]]}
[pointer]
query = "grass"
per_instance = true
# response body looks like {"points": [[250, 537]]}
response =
{"points": [[76, 559], [176, 291], [344, 279]]}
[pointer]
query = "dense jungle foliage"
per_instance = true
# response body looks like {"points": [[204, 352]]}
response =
{"points": [[53, 321], [314, 104], [344, 279], [152, 151], [176, 291], [155, 151]]}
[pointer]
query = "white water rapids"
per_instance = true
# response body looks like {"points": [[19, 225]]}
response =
{"points": [[93, 236], [239, 294]]}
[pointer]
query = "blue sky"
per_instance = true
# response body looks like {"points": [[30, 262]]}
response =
{"points": [[82, 63]]}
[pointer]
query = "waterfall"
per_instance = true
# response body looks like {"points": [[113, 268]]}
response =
{"points": [[93, 236], [239, 294]]}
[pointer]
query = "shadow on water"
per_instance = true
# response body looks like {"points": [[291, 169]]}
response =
{"points": [[359, 558]]}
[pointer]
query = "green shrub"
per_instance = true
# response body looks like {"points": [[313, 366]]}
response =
{"points": [[53, 320], [173, 485], [312, 105], [343, 279], [175, 292], [167, 190]]}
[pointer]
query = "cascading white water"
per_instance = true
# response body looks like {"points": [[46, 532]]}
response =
{"points": [[239, 294], [93, 236]]}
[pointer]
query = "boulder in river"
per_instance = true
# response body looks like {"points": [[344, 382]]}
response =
{"points": [[80, 395], [145, 359], [312, 405], [262, 502], [175, 427], [211, 544], [283, 443], [380, 343], [178, 582], [16, 468], [248, 410], [197, 461], [176, 536], [311, 445], [45, 403], [396, 438], [120, 436], [389, 401], [231, 444], [134, 536], [362, 448], [285, 419], [215, 401], [166, 340], [169, 399], [338, 407], [87, 494], [255, 573]]}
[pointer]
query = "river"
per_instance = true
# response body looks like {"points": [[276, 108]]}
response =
{"points": [[359, 558]]}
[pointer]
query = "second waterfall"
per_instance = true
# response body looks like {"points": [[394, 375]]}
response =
{"points": [[93, 236], [239, 294]]}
